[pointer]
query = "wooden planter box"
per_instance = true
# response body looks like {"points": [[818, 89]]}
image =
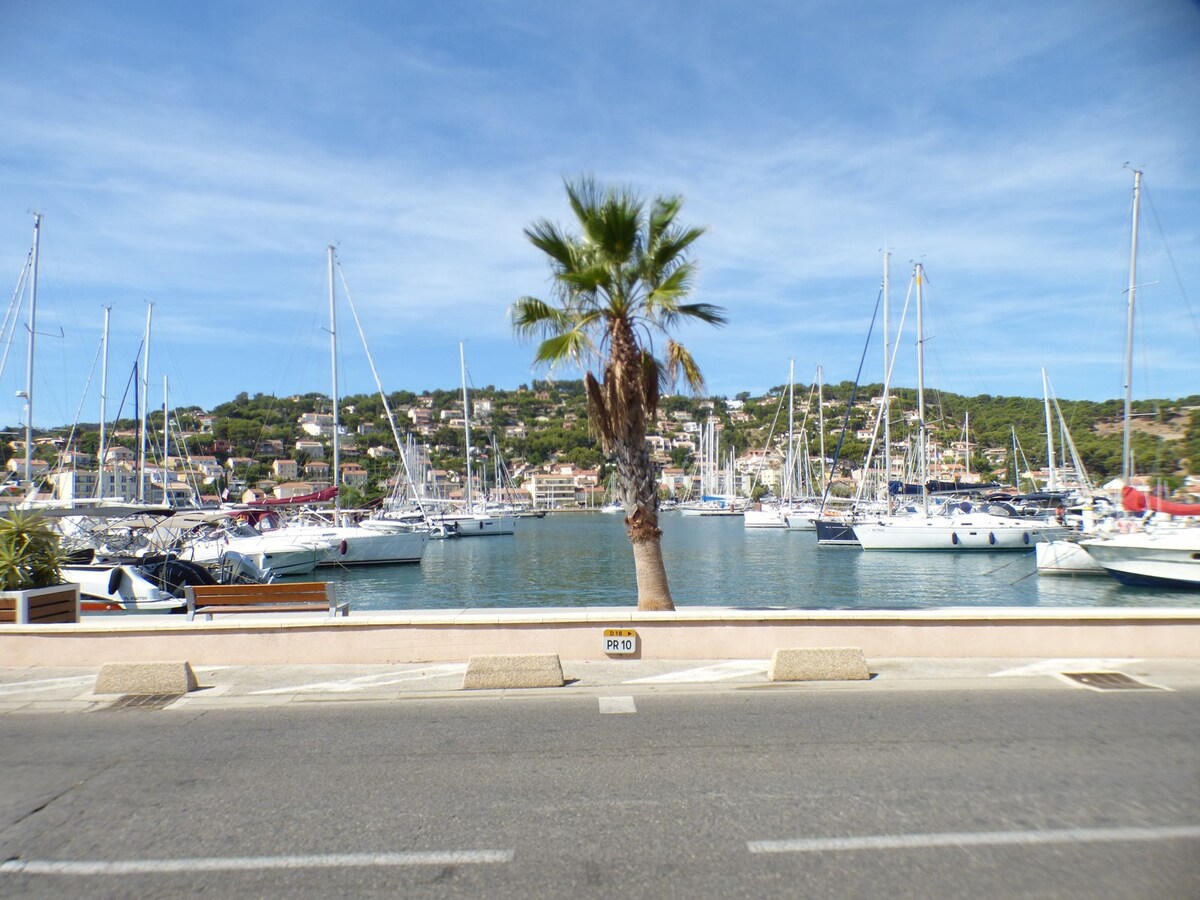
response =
{"points": [[40, 606]]}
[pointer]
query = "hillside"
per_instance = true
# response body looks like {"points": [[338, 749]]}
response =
{"points": [[546, 422]]}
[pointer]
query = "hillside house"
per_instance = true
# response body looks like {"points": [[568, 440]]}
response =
{"points": [[354, 475], [285, 468]]}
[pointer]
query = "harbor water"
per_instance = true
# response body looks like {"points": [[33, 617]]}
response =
{"points": [[584, 559]]}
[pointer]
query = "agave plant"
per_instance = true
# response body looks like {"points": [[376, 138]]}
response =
{"points": [[30, 555]]}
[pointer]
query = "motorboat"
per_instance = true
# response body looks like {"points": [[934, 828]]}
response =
{"points": [[1164, 556]]}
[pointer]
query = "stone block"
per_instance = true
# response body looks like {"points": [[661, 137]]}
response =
{"points": [[514, 671], [818, 664], [146, 678]]}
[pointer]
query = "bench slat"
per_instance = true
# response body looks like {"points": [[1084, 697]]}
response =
{"points": [[304, 596]]}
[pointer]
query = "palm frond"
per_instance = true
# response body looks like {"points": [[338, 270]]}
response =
{"points": [[652, 382], [600, 421], [680, 362], [532, 316], [570, 346], [705, 312], [551, 240]]}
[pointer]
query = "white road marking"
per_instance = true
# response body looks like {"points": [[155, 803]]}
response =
{"points": [[249, 863], [366, 682], [46, 684], [976, 839], [1055, 666], [737, 668], [617, 705]]}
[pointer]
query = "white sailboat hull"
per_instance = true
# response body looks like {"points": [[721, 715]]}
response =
{"points": [[981, 532], [764, 518], [1065, 558], [477, 524], [357, 545]]}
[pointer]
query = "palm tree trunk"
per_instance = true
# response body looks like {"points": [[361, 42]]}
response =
{"points": [[627, 408], [653, 593], [642, 527]]}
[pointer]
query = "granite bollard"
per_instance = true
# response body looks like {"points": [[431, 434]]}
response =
{"points": [[818, 664], [513, 671], [174, 677]]}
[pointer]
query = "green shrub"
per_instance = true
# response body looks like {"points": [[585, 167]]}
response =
{"points": [[30, 555]]}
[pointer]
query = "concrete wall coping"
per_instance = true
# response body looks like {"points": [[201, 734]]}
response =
{"points": [[259, 622]]}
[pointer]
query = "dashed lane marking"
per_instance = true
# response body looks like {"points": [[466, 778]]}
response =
{"points": [[250, 863], [738, 668], [977, 839], [617, 705], [367, 682]]}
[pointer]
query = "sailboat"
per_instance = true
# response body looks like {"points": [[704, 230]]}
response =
{"points": [[774, 515], [955, 526], [356, 543], [473, 518], [1155, 555]]}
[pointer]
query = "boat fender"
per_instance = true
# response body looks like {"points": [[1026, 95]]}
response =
{"points": [[115, 577], [992, 538], [954, 537], [343, 548], [1025, 537]]}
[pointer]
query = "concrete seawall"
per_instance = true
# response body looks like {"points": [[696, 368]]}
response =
{"points": [[690, 633]]}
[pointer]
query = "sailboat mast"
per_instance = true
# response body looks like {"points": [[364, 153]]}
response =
{"points": [[923, 462], [37, 234], [967, 442], [337, 472], [821, 423], [145, 404], [884, 406], [103, 448], [462, 360], [790, 457], [166, 441], [1052, 479], [1016, 463], [1126, 450]]}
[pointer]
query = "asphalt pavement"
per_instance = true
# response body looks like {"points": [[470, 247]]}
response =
{"points": [[953, 778]]}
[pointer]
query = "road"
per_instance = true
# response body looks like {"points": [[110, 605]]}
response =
{"points": [[744, 790]]}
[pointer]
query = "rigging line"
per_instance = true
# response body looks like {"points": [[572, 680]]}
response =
{"points": [[100, 463], [770, 434], [187, 453], [1017, 557], [387, 407], [79, 409], [850, 405], [1171, 258], [885, 404], [14, 311]]}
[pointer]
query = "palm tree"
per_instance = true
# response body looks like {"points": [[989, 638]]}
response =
{"points": [[619, 285]]}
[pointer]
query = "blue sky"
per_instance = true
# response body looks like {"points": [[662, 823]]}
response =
{"points": [[201, 157]]}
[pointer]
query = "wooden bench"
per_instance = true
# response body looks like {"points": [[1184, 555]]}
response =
{"points": [[301, 596]]}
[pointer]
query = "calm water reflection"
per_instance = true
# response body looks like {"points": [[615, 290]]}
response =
{"points": [[585, 560]]}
